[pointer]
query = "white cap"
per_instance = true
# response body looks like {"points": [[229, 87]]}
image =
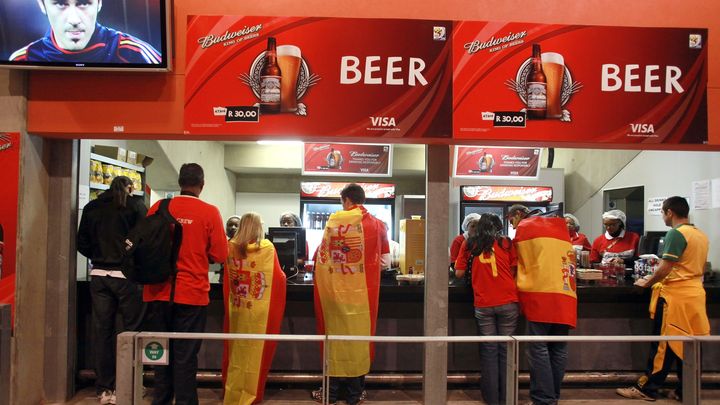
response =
{"points": [[615, 214]]}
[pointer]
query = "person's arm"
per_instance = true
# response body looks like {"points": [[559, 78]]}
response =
{"points": [[675, 244], [595, 251], [662, 271], [84, 236], [461, 261], [218, 249]]}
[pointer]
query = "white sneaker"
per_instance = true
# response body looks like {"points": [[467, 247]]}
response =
{"points": [[108, 398]]}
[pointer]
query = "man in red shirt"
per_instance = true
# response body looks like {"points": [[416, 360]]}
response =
{"points": [[203, 242]]}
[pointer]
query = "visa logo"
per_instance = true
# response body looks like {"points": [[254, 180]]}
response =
{"points": [[642, 128], [382, 121]]}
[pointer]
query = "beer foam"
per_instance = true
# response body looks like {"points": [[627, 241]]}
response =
{"points": [[552, 57], [288, 50]]}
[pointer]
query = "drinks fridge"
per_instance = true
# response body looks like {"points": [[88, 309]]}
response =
{"points": [[320, 199], [498, 199]]}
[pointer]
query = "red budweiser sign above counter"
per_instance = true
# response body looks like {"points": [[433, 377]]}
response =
{"points": [[415, 81]]}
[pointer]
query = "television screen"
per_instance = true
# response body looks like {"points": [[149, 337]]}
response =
{"points": [[289, 244], [86, 34]]}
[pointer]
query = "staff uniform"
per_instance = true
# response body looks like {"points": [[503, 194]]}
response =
{"points": [[677, 305], [606, 247]]}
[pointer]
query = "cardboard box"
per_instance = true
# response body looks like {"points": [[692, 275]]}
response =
{"points": [[113, 152], [138, 159], [412, 246]]}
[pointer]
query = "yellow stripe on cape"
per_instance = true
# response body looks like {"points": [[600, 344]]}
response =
{"points": [[248, 309], [537, 254], [342, 289]]}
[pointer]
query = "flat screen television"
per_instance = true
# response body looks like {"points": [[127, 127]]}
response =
{"points": [[289, 244], [122, 35]]}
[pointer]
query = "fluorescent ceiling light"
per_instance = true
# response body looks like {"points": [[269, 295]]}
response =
{"points": [[298, 143]]}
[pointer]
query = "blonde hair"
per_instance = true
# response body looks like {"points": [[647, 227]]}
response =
{"points": [[250, 231]]}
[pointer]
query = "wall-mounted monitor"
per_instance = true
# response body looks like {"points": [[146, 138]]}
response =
{"points": [[118, 35]]}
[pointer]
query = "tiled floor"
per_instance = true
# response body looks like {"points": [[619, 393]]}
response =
{"points": [[275, 396]]}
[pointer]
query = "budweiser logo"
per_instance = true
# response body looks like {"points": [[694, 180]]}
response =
{"points": [[210, 40], [475, 46]]}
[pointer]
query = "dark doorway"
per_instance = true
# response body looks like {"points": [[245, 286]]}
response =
{"points": [[631, 201]]}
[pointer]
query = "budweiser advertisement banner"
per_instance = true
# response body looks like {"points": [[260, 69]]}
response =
{"points": [[580, 84], [344, 159], [318, 189], [507, 193], [496, 163], [296, 76], [9, 167]]}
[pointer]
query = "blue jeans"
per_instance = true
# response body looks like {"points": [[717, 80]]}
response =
{"points": [[547, 362], [495, 321]]}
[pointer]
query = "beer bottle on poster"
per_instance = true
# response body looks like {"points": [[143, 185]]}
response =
{"points": [[536, 87], [270, 77]]}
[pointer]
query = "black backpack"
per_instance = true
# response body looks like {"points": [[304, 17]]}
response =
{"points": [[152, 247]]}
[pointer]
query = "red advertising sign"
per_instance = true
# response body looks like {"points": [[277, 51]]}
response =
{"points": [[318, 76], [571, 83], [9, 167], [332, 190], [496, 163], [507, 193], [344, 159]]}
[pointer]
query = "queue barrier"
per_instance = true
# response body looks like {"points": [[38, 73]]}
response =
{"points": [[129, 372]]}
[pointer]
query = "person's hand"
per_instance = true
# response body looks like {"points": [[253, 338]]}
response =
{"points": [[641, 282], [618, 261]]}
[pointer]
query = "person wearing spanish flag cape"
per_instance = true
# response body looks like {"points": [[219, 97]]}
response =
{"points": [[547, 294], [347, 286], [254, 292]]}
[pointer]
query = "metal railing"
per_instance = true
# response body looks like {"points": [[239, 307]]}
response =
{"points": [[130, 367], [5, 334]]}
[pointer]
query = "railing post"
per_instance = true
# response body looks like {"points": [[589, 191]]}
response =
{"points": [[691, 381], [325, 377], [5, 333], [125, 367], [511, 372]]}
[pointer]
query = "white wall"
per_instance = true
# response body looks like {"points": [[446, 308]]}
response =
{"points": [[663, 174], [554, 178], [269, 205]]}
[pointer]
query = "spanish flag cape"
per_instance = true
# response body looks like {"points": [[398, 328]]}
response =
{"points": [[546, 271], [254, 292], [347, 286]]}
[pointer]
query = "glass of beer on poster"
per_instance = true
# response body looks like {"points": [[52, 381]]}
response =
{"points": [[289, 59], [554, 67]]}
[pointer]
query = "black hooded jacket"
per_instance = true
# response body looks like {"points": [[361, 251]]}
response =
{"points": [[103, 229]]}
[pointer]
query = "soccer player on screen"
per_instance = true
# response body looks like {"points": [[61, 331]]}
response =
{"points": [[76, 36]]}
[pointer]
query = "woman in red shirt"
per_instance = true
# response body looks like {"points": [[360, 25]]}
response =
{"points": [[576, 238], [494, 264], [467, 223]]}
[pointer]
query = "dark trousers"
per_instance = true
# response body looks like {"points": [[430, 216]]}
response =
{"points": [[177, 379], [111, 296], [353, 387], [547, 362], [651, 382]]}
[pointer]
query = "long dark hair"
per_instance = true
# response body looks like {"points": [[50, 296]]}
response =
{"points": [[488, 230], [118, 188]]}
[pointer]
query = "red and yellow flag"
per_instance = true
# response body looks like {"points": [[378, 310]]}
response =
{"points": [[254, 290], [546, 271], [347, 286]]}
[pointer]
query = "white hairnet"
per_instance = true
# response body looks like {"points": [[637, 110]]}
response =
{"points": [[468, 218], [574, 219], [615, 214]]}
